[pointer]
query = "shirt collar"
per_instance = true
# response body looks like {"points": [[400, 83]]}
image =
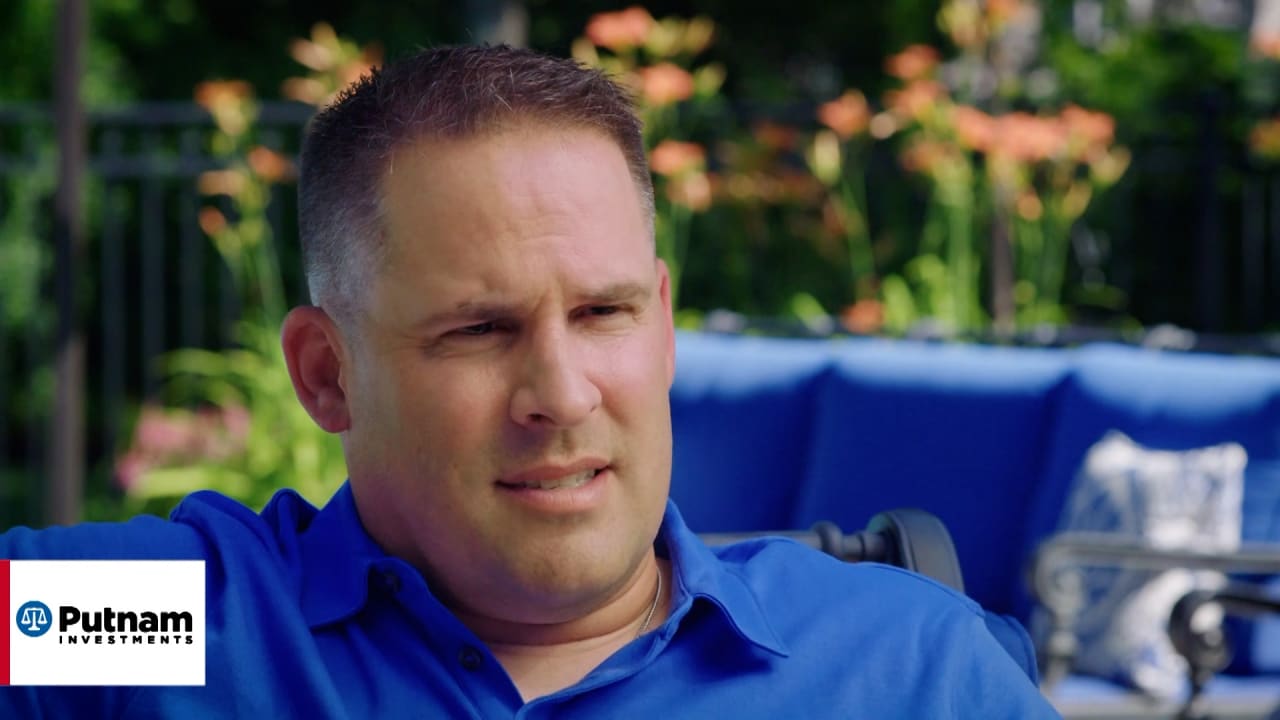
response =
{"points": [[700, 574], [338, 554]]}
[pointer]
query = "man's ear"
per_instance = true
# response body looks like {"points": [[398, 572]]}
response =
{"points": [[664, 292], [314, 353]]}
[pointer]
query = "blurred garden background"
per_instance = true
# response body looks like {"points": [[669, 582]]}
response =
{"points": [[1004, 171]]}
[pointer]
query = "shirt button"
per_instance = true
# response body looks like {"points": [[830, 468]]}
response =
{"points": [[470, 658]]}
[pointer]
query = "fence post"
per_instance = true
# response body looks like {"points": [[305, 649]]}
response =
{"points": [[66, 457]]}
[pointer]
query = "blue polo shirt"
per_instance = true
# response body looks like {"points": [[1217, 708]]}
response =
{"points": [[309, 618]]}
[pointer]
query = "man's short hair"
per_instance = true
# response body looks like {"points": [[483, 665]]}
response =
{"points": [[447, 93]]}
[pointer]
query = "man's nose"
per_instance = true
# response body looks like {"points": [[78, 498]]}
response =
{"points": [[555, 388]]}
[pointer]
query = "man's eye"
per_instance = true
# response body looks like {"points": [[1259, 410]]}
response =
{"points": [[476, 330], [602, 310]]}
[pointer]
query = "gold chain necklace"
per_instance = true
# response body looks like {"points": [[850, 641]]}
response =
{"points": [[652, 607]]}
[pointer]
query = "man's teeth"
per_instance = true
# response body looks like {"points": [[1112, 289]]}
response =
{"points": [[568, 481]]}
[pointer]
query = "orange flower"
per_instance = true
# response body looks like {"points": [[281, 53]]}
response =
{"points": [[916, 99], [320, 53], [913, 63], [1088, 131], [673, 157], [230, 102], [665, 83], [221, 182], [621, 30], [847, 115], [218, 93], [269, 164], [975, 129], [308, 90], [1029, 138], [211, 220], [692, 190], [863, 317], [334, 63]]}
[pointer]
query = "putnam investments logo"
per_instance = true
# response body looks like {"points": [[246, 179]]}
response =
{"points": [[108, 626], [80, 622]]}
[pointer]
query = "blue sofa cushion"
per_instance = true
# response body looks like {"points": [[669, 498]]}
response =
{"points": [[742, 417], [959, 431]]}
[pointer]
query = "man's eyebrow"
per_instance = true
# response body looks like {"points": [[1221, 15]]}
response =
{"points": [[618, 292], [468, 310]]}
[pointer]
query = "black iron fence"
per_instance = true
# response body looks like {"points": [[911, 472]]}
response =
{"points": [[156, 282]]}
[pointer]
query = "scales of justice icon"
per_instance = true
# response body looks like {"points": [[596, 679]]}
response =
{"points": [[34, 618]]}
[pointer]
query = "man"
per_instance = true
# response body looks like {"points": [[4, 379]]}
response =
{"points": [[492, 339]]}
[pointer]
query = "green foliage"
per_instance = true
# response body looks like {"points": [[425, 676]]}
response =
{"points": [[28, 53], [24, 254], [282, 448], [1140, 75]]}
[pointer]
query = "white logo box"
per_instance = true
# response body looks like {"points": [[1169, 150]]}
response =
{"points": [[157, 592]]}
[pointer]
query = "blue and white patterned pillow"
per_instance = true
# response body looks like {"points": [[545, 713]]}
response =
{"points": [[1171, 499]]}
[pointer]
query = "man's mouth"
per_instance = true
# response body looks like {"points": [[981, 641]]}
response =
{"points": [[556, 483]]}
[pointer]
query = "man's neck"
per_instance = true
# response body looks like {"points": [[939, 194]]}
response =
{"points": [[544, 659]]}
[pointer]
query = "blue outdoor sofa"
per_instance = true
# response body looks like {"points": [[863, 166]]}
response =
{"points": [[776, 434]]}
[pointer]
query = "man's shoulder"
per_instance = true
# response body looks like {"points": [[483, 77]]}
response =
{"points": [[203, 522], [807, 594], [782, 570], [145, 537]]}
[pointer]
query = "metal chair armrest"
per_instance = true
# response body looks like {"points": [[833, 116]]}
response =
{"points": [[906, 537], [1055, 579]]}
